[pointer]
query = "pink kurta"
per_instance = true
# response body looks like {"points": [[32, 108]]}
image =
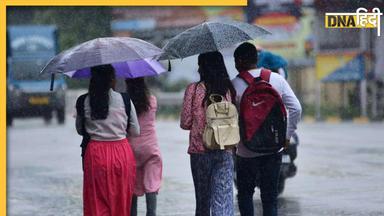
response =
{"points": [[147, 153]]}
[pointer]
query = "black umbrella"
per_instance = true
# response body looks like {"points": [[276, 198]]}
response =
{"points": [[209, 37]]}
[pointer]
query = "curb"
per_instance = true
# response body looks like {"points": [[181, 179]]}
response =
{"points": [[309, 119], [333, 120], [336, 120], [361, 120]]}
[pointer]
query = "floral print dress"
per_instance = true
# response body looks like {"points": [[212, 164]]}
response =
{"points": [[212, 170]]}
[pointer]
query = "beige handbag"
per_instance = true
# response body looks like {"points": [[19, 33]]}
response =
{"points": [[222, 127]]}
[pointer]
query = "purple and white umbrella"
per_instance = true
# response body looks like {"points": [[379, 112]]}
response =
{"points": [[128, 69], [131, 58]]}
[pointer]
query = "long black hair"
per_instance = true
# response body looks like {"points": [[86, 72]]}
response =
{"points": [[214, 75], [102, 78], [139, 93]]}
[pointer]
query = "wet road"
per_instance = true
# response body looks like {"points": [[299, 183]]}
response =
{"points": [[340, 171]]}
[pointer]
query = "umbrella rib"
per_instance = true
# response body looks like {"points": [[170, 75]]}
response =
{"points": [[261, 30], [212, 36]]}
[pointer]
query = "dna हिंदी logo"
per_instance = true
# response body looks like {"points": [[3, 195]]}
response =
{"points": [[361, 19]]}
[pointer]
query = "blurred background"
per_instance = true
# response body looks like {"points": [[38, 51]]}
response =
{"points": [[338, 75]]}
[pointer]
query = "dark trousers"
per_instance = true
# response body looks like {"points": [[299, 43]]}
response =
{"points": [[260, 171]]}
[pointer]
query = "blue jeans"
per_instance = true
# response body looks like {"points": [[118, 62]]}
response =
{"points": [[212, 174], [262, 172]]}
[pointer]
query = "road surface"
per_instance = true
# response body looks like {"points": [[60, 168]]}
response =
{"points": [[340, 171]]}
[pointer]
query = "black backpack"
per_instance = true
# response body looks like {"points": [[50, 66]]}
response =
{"points": [[81, 115]]}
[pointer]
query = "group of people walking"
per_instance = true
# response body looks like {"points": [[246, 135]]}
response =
{"points": [[122, 160]]}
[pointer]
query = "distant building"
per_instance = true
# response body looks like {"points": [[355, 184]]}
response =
{"points": [[158, 24], [345, 61]]}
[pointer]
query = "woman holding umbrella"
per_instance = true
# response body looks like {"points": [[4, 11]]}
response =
{"points": [[109, 163], [105, 117], [212, 170]]}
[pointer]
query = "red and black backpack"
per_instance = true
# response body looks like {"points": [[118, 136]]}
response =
{"points": [[263, 117]]}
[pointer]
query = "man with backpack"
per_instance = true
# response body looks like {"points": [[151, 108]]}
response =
{"points": [[262, 98]]}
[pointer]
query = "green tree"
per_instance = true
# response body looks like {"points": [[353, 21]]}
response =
{"points": [[76, 24]]}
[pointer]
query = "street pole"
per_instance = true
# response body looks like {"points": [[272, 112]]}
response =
{"points": [[363, 97], [363, 82], [318, 100], [374, 100], [345, 98], [318, 83]]}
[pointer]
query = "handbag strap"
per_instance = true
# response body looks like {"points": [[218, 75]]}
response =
{"points": [[127, 106]]}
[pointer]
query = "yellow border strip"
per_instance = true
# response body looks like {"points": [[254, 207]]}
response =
{"points": [[3, 136], [127, 3], [5, 3]]}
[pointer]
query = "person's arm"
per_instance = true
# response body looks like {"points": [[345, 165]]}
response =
{"points": [[282, 72], [134, 127], [186, 112], [294, 108], [237, 82]]}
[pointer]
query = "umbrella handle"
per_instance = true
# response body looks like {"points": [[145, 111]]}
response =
{"points": [[52, 81], [169, 65]]}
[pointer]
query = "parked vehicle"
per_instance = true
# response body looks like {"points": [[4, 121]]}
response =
{"points": [[29, 48], [288, 168]]}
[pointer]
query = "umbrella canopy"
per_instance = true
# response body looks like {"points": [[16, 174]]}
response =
{"points": [[118, 51], [128, 69], [209, 37]]}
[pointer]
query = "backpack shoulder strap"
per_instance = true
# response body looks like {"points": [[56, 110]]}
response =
{"points": [[246, 76], [265, 74], [80, 105], [81, 114], [127, 105]]}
